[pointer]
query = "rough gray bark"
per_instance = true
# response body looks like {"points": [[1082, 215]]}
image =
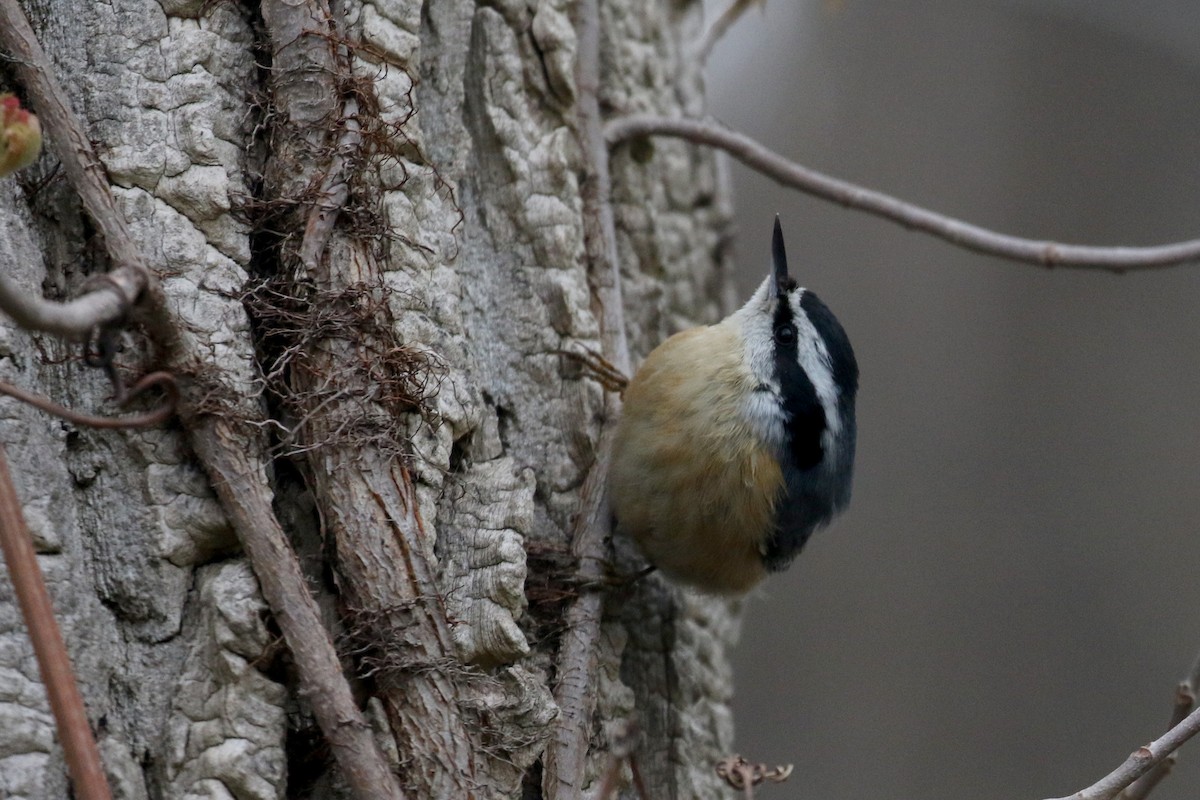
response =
{"points": [[465, 234]]}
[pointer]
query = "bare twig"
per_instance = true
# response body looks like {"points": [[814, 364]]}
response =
{"points": [[621, 750], [162, 380], [1140, 761], [598, 367], [599, 225], [722, 24], [575, 692], [73, 318], [742, 774], [335, 188], [1185, 701], [130, 275], [964, 234], [74, 732], [639, 785], [241, 485]]}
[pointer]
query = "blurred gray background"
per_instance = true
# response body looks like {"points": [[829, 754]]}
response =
{"points": [[1006, 608]]}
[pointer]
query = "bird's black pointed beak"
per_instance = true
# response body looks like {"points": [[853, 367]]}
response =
{"points": [[783, 283]]}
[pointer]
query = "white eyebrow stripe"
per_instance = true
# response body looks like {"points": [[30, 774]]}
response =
{"points": [[814, 359]]}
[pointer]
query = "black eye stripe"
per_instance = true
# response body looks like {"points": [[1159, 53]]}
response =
{"points": [[804, 414]]}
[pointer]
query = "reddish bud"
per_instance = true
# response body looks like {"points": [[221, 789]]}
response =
{"points": [[20, 136]]}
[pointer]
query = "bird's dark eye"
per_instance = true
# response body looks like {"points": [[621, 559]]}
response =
{"points": [[786, 334]]}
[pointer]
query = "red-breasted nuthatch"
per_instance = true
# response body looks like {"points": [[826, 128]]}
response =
{"points": [[737, 439]]}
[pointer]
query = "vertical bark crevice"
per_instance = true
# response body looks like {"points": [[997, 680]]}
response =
{"points": [[344, 386]]}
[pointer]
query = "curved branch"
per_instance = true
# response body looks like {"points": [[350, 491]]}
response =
{"points": [[74, 318], [964, 234], [240, 481], [1185, 702], [54, 664], [130, 275], [1140, 761], [163, 380], [722, 25]]}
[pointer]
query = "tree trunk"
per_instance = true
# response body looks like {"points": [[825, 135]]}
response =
{"points": [[427, 438]]}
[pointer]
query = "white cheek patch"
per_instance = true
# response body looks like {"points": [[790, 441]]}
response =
{"points": [[753, 322]]}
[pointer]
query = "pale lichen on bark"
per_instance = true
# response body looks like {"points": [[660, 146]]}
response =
{"points": [[211, 752]]}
